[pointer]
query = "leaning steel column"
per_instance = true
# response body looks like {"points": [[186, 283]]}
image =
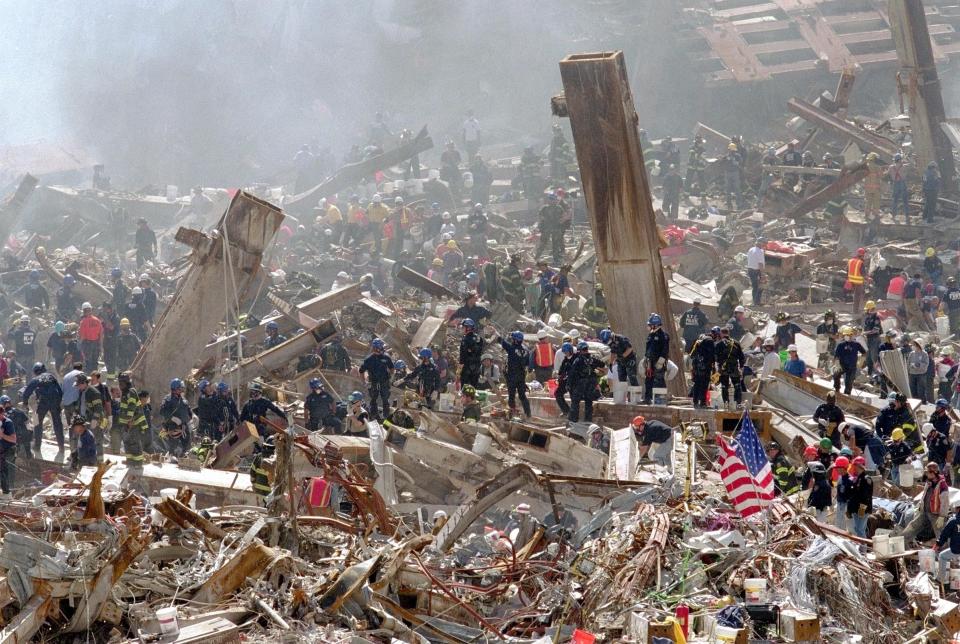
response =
{"points": [[617, 196], [920, 82], [214, 281]]}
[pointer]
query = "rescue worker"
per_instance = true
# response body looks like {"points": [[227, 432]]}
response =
{"points": [[938, 446], [932, 265], [931, 190], [426, 376], [563, 378], [880, 278], [828, 330], [791, 157], [767, 174], [860, 500], [471, 310], [838, 203], [583, 383], [898, 414], [653, 437], [731, 163], [694, 323], [656, 355], [856, 278], [899, 452], [696, 165], [334, 356], [85, 453], [786, 331], [231, 415], [901, 193], [90, 333], [20, 423], [66, 299], [175, 416], [471, 351], [149, 297], [873, 187], [145, 242], [273, 337], [34, 293], [131, 421], [549, 224], [847, 353], [934, 505], [471, 406], [730, 361], [128, 345], [623, 355], [111, 333], [209, 412], [511, 284], [259, 476], [672, 187], [120, 292], [912, 300], [702, 361], [872, 328], [516, 373], [735, 324], [8, 453], [595, 310], [828, 417], [784, 474], [321, 409], [90, 407], [23, 337], [756, 262], [49, 396], [918, 363], [950, 537], [543, 357], [357, 416], [136, 313], [256, 408], [378, 368]]}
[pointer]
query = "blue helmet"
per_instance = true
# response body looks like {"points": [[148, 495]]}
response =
{"points": [[4, 400], [223, 387], [426, 353], [203, 384], [566, 347], [315, 383], [272, 326], [551, 196], [471, 277], [399, 365], [517, 336], [356, 396], [115, 272], [583, 346], [69, 280], [605, 335], [38, 368], [378, 344], [654, 320], [715, 329], [943, 404], [176, 383], [467, 322], [34, 275], [435, 206]]}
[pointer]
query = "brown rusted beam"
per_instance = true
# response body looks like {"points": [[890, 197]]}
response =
{"points": [[183, 516], [868, 141], [95, 509], [249, 562], [851, 176], [31, 617], [617, 196]]}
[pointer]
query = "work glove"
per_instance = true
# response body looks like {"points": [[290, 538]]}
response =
{"points": [[649, 372], [661, 363]]}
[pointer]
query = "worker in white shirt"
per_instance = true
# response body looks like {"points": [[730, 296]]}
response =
{"points": [[755, 264]]}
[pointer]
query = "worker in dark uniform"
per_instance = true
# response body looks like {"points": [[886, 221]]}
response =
{"points": [[85, 452], [696, 164], [518, 359], [256, 408], [550, 225], [872, 328], [175, 415], [672, 187], [121, 292], [735, 323], [259, 476], [511, 284], [621, 353], [898, 414], [136, 313], [426, 376], [378, 368], [583, 383], [67, 302], [8, 453], [321, 409], [784, 474], [145, 242], [470, 311], [694, 324], [702, 361], [231, 415], [150, 297], [563, 378], [23, 337], [20, 423], [34, 293], [209, 412], [49, 396], [655, 356], [128, 345], [847, 353], [828, 417], [111, 331], [132, 421], [730, 361], [471, 352], [274, 337], [334, 356]]}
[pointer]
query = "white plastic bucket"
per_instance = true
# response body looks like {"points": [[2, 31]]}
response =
{"points": [[881, 544], [755, 591], [167, 617], [660, 396], [620, 392], [955, 579], [928, 560], [726, 634], [943, 326], [906, 475], [481, 443], [896, 545], [634, 395]]}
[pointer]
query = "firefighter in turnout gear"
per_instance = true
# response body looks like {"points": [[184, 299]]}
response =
{"points": [[702, 361], [595, 310], [784, 474], [511, 283], [260, 477], [133, 422], [730, 361]]}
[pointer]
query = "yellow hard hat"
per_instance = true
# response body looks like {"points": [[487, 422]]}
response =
{"points": [[732, 146], [451, 244], [438, 262], [873, 156], [870, 305], [846, 330], [124, 322], [931, 252], [897, 434]]}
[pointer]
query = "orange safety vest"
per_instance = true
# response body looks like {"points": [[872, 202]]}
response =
{"points": [[543, 354], [855, 271]]}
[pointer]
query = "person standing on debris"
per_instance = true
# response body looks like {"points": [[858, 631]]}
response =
{"points": [[672, 187], [49, 397], [731, 174], [873, 187], [828, 417], [897, 414], [755, 265], [653, 437], [952, 304], [518, 358], [20, 423], [145, 242], [912, 299], [511, 283], [931, 190], [563, 378], [489, 373], [841, 480], [951, 534], [829, 331], [470, 310], [786, 331], [899, 452], [837, 205], [471, 406], [259, 476], [120, 292], [856, 278], [880, 279], [111, 329], [938, 447], [23, 337], [131, 421], [90, 406], [784, 474], [901, 192], [735, 323], [357, 416], [730, 361], [932, 265], [321, 409], [84, 452], [149, 297], [334, 356], [450, 161], [860, 500], [91, 337], [471, 351], [702, 361], [378, 368], [582, 381], [543, 357], [767, 175], [771, 359], [482, 179], [872, 328], [549, 223], [34, 293], [175, 416], [794, 365], [8, 453], [136, 313], [128, 345], [377, 214], [231, 415], [816, 480], [791, 157], [934, 505], [274, 337], [623, 355], [257, 406], [847, 353], [209, 412], [66, 299], [426, 376], [696, 165], [917, 363], [694, 323]]}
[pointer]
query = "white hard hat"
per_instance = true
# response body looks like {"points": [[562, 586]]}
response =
{"points": [[446, 215], [318, 220], [541, 334], [882, 262], [85, 306], [926, 429], [342, 275], [574, 333], [327, 232], [143, 278], [24, 318], [446, 237], [739, 309], [377, 198], [439, 514], [792, 347], [769, 342], [323, 202], [136, 290]]}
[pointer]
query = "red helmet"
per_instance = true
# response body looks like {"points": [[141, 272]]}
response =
{"points": [[810, 451], [638, 421], [861, 251], [842, 462], [860, 461]]}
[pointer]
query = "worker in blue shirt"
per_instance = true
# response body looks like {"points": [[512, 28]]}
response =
{"points": [[517, 360], [951, 533], [794, 365], [847, 354], [86, 453], [378, 367], [49, 396]]}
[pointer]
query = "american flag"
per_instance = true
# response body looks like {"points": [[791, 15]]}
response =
{"points": [[745, 470]]}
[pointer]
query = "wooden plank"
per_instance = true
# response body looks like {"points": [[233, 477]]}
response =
{"points": [[617, 197], [424, 283], [431, 330]]}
